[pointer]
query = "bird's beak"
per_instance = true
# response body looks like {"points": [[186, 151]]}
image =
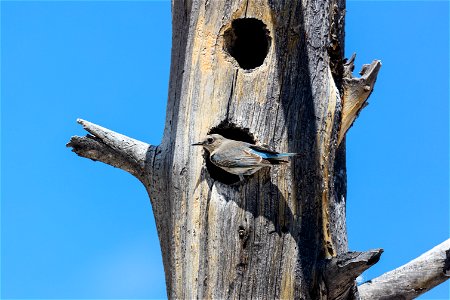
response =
{"points": [[198, 144]]}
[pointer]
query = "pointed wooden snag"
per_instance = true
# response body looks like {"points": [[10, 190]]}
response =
{"points": [[341, 271], [356, 92]]}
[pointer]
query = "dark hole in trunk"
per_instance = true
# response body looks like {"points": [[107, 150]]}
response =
{"points": [[248, 41]]}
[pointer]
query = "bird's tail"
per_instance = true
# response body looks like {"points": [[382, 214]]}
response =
{"points": [[280, 158], [286, 154], [277, 161]]}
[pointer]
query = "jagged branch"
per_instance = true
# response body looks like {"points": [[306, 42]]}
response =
{"points": [[356, 92], [413, 279], [340, 272], [113, 149]]}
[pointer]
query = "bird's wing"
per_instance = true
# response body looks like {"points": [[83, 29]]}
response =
{"points": [[237, 158]]}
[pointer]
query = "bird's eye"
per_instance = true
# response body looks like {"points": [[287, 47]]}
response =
{"points": [[210, 140]]}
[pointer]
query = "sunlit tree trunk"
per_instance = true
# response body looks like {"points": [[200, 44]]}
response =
{"points": [[267, 72]]}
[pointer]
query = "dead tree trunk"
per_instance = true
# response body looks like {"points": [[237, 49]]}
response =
{"points": [[268, 72]]}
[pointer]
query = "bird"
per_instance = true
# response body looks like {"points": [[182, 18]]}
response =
{"points": [[240, 158]]}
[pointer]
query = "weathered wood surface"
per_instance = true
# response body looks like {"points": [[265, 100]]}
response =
{"points": [[356, 92], [281, 233], [340, 272], [263, 237], [412, 279], [260, 238]]}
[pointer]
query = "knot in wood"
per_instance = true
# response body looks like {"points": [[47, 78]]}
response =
{"points": [[241, 232]]}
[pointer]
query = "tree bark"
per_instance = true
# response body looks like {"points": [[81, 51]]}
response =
{"points": [[281, 232], [412, 279], [263, 237]]}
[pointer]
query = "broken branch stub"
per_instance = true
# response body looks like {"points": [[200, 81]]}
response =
{"points": [[112, 148], [341, 271], [412, 279], [356, 92]]}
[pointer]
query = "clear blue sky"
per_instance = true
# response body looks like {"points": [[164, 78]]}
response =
{"points": [[72, 228]]}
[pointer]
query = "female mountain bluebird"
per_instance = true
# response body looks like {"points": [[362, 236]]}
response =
{"points": [[238, 157]]}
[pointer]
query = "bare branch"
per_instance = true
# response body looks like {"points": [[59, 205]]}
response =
{"points": [[112, 148], [413, 279], [341, 271], [356, 92]]}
